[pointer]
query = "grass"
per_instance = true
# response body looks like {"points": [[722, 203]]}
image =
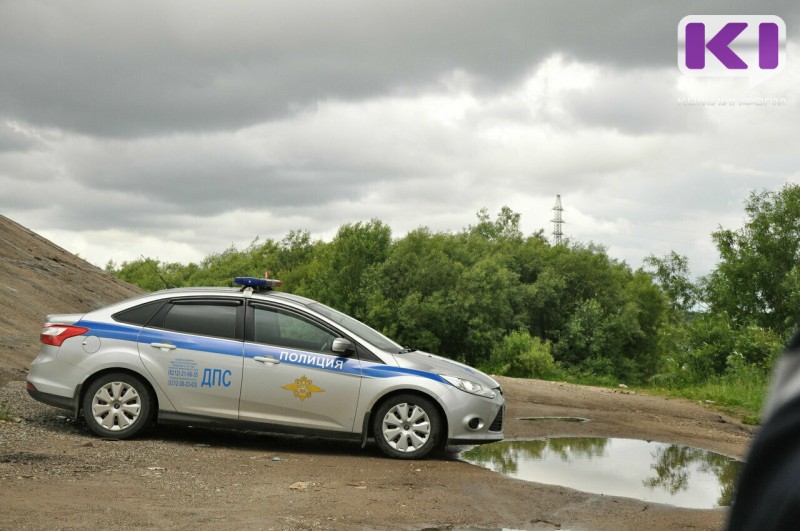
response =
{"points": [[740, 395], [4, 415]]}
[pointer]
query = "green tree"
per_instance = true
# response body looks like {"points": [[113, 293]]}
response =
{"points": [[607, 318], [486, 294], [505, 226], [340, 272], [145, 273], [294, 261], [758, 277], [672, 274], [408, 293]]}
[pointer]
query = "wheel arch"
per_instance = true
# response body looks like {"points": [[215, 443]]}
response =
{"points": [[81, 394], [408, 391]]}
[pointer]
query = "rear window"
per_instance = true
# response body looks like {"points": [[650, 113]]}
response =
{"points": [[139, 315]]}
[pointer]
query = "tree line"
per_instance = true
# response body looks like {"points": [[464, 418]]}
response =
{"points": [[517, 305]]}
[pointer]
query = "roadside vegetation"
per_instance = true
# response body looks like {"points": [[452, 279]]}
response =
{"points": [[513, 304]]}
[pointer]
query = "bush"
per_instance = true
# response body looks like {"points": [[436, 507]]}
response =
{"points": [[714, 344], [756, 346], [522, 356]]}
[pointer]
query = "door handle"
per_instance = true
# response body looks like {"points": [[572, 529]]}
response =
{"points": [[163, 346], [262, 359]]}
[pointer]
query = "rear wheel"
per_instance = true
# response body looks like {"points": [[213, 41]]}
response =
{"points": [[407, 427], [117, 405]]}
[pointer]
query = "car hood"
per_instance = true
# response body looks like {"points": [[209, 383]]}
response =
{"points": [[424, 361]]}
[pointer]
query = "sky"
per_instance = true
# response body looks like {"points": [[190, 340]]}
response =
{"points": [[175, 129]]}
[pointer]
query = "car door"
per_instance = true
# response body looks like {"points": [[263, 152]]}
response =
{"points": [[193, 349], [291, 377]]}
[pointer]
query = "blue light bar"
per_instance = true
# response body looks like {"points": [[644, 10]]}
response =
{"points": [[255, 282]]}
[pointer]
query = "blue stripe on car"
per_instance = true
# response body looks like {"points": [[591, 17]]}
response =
{"points": [[232, 347], [111, 331], [387, 371]]}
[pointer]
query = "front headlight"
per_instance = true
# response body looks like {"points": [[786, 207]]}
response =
{"points": [[469, 386]]}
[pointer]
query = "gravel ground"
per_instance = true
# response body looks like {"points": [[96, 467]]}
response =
{"points": [[55, 475]]}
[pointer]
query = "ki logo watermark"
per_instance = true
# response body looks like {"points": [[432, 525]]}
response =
{"points": [[752, 46]]}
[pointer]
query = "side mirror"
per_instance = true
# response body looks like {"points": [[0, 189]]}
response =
{"points": [[343, 346]]}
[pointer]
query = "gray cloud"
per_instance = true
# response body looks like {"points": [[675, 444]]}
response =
{"points": [[176, 129], [13, 140], [123, 70], [635, 101]]}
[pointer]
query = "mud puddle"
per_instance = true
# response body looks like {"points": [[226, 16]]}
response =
{"points": [[651, 471]]}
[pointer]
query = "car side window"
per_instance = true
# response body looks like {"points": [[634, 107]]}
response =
{"points": [[208, 318], [285, 329], [139, 315]]}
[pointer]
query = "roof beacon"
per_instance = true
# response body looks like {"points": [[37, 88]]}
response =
{"points": [[257, 283]]}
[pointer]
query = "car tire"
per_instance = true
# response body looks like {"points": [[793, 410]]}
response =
{"points": [[407, 426], [117, 406]]}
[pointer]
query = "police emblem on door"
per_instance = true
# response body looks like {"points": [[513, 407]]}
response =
{"points": [[303, 388]]}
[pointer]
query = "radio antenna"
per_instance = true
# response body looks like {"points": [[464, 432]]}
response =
{"points": [[155, 270]]}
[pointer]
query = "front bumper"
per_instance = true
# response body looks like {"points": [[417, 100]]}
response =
{"points": [[473, 419]]}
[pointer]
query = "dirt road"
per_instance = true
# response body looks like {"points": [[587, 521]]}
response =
{"points": [[55, 475]]}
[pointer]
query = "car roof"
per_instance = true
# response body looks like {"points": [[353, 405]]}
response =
{"points": [[289, 296], [259, 294]]}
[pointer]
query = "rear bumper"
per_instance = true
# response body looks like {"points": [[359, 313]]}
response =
{"points": [[64, 402], [53, 382]]}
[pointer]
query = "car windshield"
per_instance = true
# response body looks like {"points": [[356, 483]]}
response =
{"points": [[357, 327]]}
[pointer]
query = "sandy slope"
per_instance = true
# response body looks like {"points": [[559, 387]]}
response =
{"points": [[38, 278]]}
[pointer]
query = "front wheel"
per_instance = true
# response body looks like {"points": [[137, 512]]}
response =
{"points": [[407, 427], [117, 406]]}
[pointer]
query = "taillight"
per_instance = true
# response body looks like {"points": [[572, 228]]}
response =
{"points": [[55, 334]]}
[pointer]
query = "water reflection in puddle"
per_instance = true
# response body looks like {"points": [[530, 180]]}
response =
{"points": [[650, 471]]}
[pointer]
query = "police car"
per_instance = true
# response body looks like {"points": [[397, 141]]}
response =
{"points": [[255, 358]]}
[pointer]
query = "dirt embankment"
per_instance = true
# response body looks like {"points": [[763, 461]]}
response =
{"points": [[38, 278]]}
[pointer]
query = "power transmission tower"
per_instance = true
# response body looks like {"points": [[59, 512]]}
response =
{"points": [[557, 222]]}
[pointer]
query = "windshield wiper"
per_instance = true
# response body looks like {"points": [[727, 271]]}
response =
{"points": [[407, 350]]}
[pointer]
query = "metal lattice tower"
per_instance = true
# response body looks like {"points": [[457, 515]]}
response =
{"points": [[557, 222]]}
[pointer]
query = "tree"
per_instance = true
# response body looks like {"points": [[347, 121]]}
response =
{"points": [[758, 277], [145, 273], [338, 277], [672, 274], [506, 226], [484, 291], [410, 294]]}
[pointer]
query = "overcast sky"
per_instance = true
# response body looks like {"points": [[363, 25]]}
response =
{"points": [[176, 129]]}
